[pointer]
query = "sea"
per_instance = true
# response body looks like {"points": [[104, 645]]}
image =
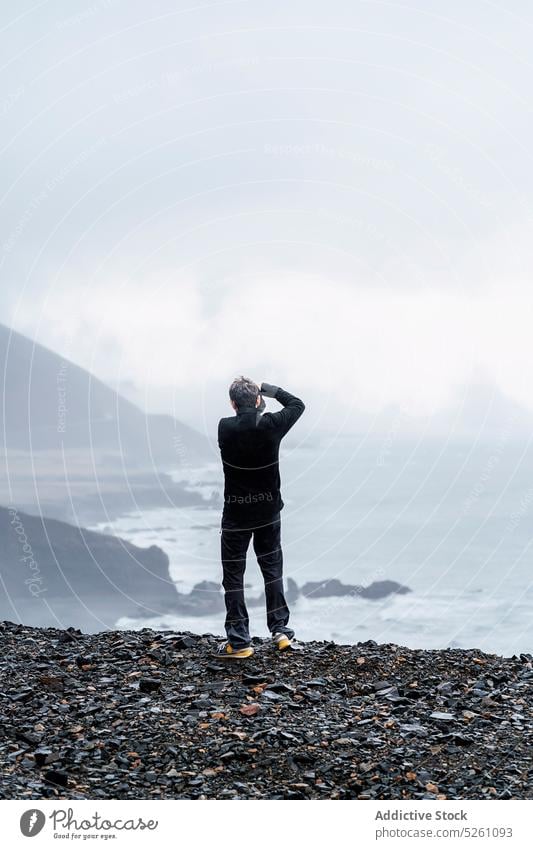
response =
{"points": [[451, 519]]}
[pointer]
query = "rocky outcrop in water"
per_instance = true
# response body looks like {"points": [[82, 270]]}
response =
{"points": [[206, 597], [335, 588], [152, 715]]}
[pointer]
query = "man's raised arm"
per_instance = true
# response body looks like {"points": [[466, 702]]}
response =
{"points": [[293, 407]]}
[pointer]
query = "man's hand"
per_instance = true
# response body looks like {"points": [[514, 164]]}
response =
{"points": [[269, 390]]}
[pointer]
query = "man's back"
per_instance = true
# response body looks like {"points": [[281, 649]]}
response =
{"points": [[249, 446]]}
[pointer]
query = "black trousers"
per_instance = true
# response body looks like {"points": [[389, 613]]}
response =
{"points": [[235, 538]]}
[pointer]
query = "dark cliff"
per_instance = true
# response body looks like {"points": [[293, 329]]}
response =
{"points": [[53, 573]]}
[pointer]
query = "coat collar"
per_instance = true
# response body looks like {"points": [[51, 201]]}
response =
{"points": [[248, 409]]}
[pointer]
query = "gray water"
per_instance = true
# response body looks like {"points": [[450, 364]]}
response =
{"points": [[451, 520]]}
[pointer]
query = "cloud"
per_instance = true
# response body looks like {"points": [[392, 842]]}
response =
{"points": [[339, 342]]}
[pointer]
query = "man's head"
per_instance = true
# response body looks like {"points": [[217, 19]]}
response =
{"points": [[243, 392]]}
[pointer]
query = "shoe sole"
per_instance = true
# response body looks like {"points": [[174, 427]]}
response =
{"points": [[283, 645], [234, 656]]}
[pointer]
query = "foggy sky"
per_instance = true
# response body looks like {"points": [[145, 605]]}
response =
{"points": [[332, 197]]}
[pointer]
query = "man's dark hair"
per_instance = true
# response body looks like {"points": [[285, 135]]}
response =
{"points": [[243, 392]]}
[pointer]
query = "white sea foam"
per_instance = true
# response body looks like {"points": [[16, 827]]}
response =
{"points": [[439, 522]]}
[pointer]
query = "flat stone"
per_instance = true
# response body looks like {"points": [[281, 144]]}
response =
{"points": [[441, 716]]}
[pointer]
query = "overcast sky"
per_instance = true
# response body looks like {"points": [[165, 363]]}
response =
{"points": [[334, 197]]}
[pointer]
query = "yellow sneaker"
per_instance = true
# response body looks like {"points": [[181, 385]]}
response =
{"points": [[282, 642], [225, 651]]}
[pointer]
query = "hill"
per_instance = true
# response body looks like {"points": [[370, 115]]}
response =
{"points": [[75, 449], [49, 403]]}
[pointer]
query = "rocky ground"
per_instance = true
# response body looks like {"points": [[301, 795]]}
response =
{"points": [[152, 715]]}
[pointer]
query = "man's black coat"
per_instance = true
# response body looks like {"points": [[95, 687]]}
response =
{"points": [[249, 447]]}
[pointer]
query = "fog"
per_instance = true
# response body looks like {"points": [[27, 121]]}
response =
{"points": [[336, 198]]}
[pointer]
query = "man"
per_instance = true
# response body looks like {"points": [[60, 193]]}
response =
{"points": [[249, 447]]}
